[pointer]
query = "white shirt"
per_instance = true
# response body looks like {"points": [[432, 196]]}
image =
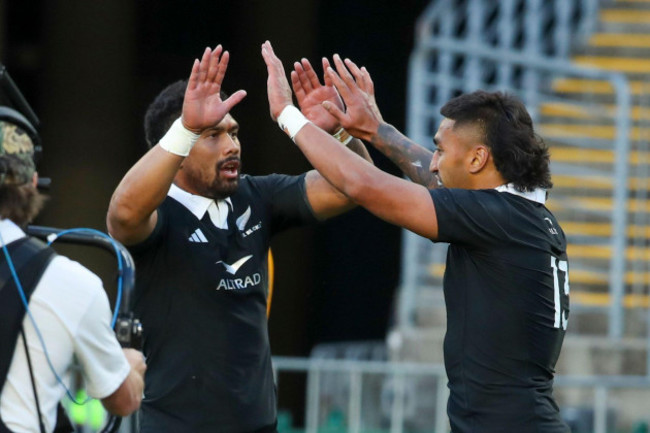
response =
{"points": [[72, 312], [199, 205]]}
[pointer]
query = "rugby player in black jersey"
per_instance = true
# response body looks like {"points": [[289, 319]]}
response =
{"points": [[483, 191], [199, 231]]}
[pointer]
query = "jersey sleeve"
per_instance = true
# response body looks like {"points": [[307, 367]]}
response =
{"points": [[470, 217], [155, 237], [104, 366], [286, 196]]}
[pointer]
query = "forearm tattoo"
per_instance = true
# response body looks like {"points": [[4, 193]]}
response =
{"points": [[410, 157]]}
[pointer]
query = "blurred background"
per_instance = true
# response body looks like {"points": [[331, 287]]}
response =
{"points": [[353, 293]]}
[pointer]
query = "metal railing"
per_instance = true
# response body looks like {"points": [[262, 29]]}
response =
{"points": [[537, 27], [398, 376]]}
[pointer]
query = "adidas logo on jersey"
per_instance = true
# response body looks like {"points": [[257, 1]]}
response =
{"points": [[198, 237]]}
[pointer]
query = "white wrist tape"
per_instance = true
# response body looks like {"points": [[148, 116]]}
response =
{"points": [[291, 120], [178, 140], [343, 136]]}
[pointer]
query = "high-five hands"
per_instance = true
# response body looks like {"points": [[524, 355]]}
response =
{"points": [[203, 107], [311, 94], [362, 117]]}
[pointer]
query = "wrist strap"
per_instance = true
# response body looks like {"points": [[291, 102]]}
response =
{"points": [[291, 120], [178, 140], [343, 136]]}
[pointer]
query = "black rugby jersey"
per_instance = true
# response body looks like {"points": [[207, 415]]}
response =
{"points": [[201, 296], [507, 297]]}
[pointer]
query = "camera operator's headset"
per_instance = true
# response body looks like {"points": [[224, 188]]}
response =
{"points": [[31, 257]]}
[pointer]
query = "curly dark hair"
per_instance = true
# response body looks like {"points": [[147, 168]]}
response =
{"points": [[520, 155], [164, 110]]}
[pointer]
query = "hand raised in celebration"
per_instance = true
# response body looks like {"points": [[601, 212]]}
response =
{"points": [[362, 117], [311, 94], [202, 106], [277, 85]]}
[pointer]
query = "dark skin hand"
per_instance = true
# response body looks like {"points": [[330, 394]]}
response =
{"points": [[363, 120], [311, 94]]}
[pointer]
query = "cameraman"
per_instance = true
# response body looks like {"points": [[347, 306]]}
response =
{"points": [[69, 307]]}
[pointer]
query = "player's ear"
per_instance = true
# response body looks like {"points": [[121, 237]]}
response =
{"points": [[480, 157]]}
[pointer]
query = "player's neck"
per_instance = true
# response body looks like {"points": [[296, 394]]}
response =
{"points": [[488, 179]]}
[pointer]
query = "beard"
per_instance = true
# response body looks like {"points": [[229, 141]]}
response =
{"points": [[223, 187]]}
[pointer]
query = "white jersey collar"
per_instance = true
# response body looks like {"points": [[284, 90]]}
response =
{"points": [[199, 205], [10, 231], [537, 195]]}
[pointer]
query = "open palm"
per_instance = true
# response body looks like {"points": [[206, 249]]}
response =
{"points": [[203, 106], [311, 94]]}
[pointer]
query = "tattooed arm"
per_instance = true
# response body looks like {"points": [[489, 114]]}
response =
{"points": [[363, 120], [410, 157]]}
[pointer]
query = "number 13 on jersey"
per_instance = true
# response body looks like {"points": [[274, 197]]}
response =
{"points": [[560, 291]]}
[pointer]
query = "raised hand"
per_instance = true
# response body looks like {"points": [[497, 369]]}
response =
{"points": [[277, 85], [362, 117], [203, 107], [311, 94]]}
